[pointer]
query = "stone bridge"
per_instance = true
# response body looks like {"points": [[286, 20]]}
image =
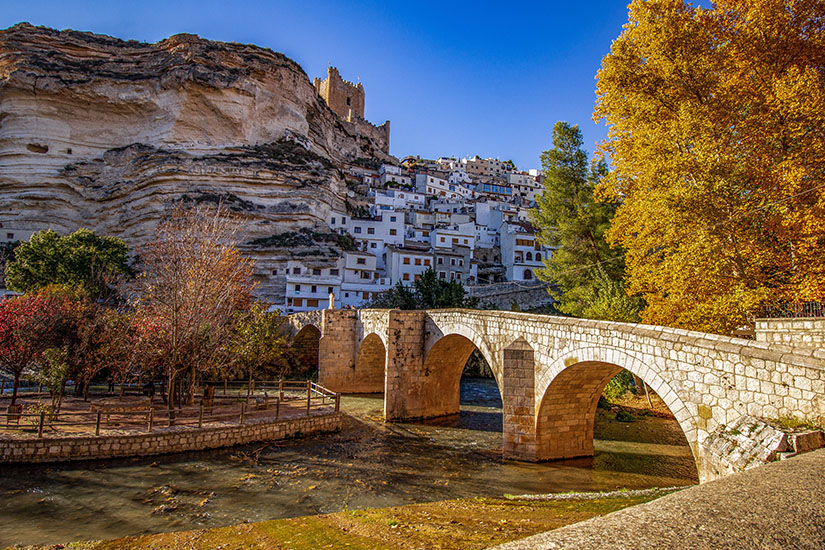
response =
{"points": [[551, 371]]}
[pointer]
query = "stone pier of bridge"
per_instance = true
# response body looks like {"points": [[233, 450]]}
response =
{"points": [[551, 371]]}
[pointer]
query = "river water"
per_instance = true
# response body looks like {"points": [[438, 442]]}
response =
{"points": [[368, 464]]}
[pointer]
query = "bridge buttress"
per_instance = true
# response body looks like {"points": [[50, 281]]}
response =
{"points": [[518, 402], [404, 395], [337, 350]]}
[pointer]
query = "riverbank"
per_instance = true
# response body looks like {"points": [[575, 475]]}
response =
{"points": [[462, 524], [369, 464]]}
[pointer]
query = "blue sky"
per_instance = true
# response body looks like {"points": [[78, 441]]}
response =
{"points": [[455, 78]]}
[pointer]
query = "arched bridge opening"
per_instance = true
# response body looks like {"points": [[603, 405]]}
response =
{"points": [[370, 366], [566, 419], [304, 348]]}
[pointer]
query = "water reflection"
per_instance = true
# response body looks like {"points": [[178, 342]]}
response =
{"points": [[368, 464]]}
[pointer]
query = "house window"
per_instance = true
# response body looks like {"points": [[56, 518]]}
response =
{"points": [[406, 261], [312, 302], [461, 263], [316, 271], [356, 229], [314, 289], [392, 218], [375, 275], [418, 261], [274, 271], [440, 261], [361, 261], [297, 288], [452, 261], [465, 241], [393, 232], [333, 272], [538, 257], [442, 239], [427, 261], [373, 245], [528, 274], [455, 241], [332, 221], [296, 270], [458, 276], [329, 290], [417, 276], [298, 302], [10, 236], [442, 275], [349, 101], [370, 231], [406, 276], [365, 274], [529, 256]]}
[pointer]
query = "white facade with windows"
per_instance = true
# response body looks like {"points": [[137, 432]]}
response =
{"points": [[308, 287], [521, 252], [406, 264]]}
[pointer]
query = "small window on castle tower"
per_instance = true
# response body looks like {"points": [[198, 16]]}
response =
{"points": [[349, 101]]}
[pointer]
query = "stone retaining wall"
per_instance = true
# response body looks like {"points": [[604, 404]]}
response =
{"points": [[791, 331], [162, 441], [525, 294]]}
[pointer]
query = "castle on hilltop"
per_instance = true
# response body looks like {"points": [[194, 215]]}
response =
{"points": [[347, 101]]}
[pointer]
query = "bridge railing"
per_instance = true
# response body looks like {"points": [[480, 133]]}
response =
{"points": [[791, 310]]}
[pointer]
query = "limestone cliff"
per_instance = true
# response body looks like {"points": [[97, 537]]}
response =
{"points": [[109, 134]]}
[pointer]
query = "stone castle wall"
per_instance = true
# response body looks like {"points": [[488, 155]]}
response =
{"points": [[342, 96], [162, 441]]}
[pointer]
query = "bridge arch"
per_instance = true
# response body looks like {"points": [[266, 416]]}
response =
{"points": [[305, 345], [443, 367], [446, 330], [570, 394], [370, 365]]}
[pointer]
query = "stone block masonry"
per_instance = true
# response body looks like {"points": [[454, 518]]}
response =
{"points": [[791, 331], [552, 370], [163, 441]]}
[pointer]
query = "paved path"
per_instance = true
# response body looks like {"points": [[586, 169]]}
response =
{"points": [[780, 505]]}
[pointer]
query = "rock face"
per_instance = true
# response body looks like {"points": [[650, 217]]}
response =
{"points": [[109, 134]]}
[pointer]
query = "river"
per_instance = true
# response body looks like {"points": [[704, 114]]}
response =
{"points": [[368, 464]]}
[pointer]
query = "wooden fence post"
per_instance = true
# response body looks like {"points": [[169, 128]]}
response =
{"points": [[243, 410], [281, 389], [151, 417], [200, 418], [337, 402], [277, 407], [97, 423], [309, 395], [40, 426]]}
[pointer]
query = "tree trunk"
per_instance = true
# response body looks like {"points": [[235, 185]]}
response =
{"points": [[16, 384]]}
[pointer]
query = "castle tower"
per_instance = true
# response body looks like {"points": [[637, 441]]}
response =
{"points": [[342, 96]]}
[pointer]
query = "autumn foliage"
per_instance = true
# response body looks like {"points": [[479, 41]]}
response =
{"points": [[717, 150]]}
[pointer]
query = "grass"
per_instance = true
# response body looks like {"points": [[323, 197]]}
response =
{"points": [[793, 423], [452, 524]]}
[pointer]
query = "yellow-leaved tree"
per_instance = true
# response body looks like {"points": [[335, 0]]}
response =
{"points": [[717, 148]]}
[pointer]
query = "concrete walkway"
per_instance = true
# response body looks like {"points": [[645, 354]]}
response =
{"points": [[780, 505]]}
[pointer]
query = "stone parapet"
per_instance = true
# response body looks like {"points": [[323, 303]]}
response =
{"points": [[162, 441]]}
